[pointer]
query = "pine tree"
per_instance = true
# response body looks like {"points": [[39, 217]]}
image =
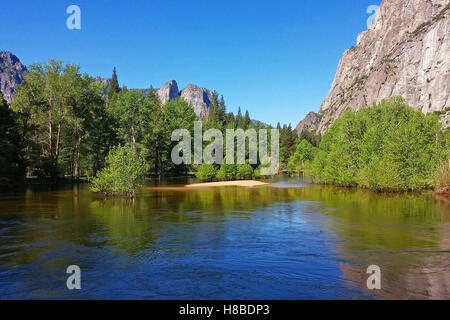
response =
{"points": [[239, 119], [114, 86], [246, 120], [152, 97], [222, 110]]}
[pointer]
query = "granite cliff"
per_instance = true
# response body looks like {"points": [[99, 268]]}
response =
{"points": [[12, 73], [405, 52]]}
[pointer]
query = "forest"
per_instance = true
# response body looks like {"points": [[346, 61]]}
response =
{"points": [[388, 146], [64, 126]]}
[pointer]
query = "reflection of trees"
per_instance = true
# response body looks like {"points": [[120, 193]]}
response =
{"points": [[408, 236]]}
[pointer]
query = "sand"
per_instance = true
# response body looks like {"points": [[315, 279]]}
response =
{"points": [[237, 183]]}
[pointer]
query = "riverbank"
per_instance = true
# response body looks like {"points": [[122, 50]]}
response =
{"points": [[235, 183]]}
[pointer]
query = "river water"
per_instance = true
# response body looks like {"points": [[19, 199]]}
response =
{"points": [[287, 240]]}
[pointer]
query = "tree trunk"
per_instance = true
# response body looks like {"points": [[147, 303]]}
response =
{"points": [[77, 157], [50, 134], [58, 138]]}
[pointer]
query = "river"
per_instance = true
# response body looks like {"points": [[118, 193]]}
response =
{"points": [[287, 240]]}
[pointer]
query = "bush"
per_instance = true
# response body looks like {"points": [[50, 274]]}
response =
{"points": [[244, 171], [124, 173], [227, 172], [206, 172]]}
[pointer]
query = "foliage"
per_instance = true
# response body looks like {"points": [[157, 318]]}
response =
{"points": [[124, 172], [11, 162], [54, 105], [244, 171], [389, 146], [227, 171], [300, 161], [206, 172]]}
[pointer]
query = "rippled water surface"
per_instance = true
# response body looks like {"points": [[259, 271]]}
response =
{"points": [[288, 240]]}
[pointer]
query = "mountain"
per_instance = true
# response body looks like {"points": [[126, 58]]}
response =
{"points": [[199, 98], [12, 73], [405, 52]]}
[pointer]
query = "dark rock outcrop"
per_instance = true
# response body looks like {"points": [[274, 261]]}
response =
{"points": [[310, 123], [12, 73]]}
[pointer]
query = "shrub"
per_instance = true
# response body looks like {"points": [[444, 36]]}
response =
{"points": [[227, 172], [206, 172], [124, 172], [244, 171]]}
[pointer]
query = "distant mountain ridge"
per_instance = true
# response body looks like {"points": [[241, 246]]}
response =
{"points": [[12, 73], [199, 98]]}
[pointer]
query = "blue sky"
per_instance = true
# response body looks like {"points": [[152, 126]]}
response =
{"points": [[275, 58]]}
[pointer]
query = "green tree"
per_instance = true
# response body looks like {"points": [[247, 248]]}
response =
{"points": [[177, 114], [124, 173], [52, 103], [114, 87], [389, 146], [131, 112], [11, 162]]}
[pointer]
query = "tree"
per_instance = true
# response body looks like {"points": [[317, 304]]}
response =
{"points": [[131, 112], [246, 120], [52, 103], [300, 161], [114, 87], [177, 114], [154, 139], [124, 173], [11, 162], [389, 146]]}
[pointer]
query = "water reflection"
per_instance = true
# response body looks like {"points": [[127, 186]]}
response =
{"points": [[288, 240]]}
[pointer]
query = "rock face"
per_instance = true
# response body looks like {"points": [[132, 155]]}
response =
{"points": [[310, 123], [168, 92], [12, 73], [405, 52], [200, 98]]}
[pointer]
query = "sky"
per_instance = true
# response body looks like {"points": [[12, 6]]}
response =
{"points": [[275, 58]]}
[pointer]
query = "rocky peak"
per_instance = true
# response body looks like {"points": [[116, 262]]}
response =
{"points": [[168, 92], [12, 73], [200, 98], [405, 52], [310, 123]]}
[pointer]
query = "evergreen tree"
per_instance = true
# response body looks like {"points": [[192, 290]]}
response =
{"points": [[222, 110], [114, 86], [239, 119], [247, 120]]}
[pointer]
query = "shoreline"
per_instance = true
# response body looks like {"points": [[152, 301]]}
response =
{"points": [[234, 183]]}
